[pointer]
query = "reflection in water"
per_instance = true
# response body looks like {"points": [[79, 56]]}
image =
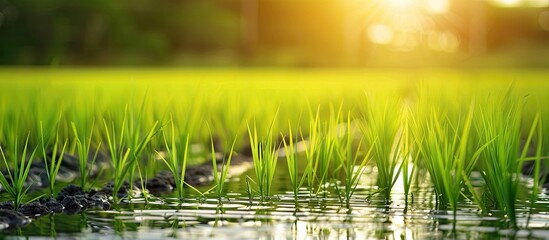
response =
{"points": [[310, 217]]}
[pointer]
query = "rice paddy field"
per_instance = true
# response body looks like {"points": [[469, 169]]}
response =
{"points": [[296, 154]]}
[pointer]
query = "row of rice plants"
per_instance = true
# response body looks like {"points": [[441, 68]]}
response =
{"points": [[449, 146], [431, 132]]}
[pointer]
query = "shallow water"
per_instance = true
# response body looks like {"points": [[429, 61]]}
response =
{"points": [[282, 217]]}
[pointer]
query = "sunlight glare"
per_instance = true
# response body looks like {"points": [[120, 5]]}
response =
{"points": [[438, 6], [507, 3], [380, 34], [401, 3]]}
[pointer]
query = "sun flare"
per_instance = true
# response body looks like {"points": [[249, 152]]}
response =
{"points": [[401, 3]]}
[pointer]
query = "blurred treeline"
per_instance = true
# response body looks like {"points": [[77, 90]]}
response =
{"points": [[106, 31], [261, 32]]}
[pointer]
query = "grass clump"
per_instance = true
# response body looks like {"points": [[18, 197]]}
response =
{"points": [[354, 162], [265, 158], [320, 153], [177, 152], [119, 156], [502, 160], [291, 155], [83, 139], [52, 162], [446, 157], [125, 145], [381, 128], [138, 136], [17, 167], [220, 176]]}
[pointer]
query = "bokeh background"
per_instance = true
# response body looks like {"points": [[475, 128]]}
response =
{"points": [[302, 33]]}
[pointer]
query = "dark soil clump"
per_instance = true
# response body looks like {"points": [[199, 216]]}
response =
{"points": [[123, 191], [199, 175], [75, 200], [71, 190], [73, 204], [53, 205], [34, 209], [159, 185]]}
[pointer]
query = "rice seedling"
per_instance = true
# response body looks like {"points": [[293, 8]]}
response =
{"points": [[332, 134], [381, 128], [445, 155], [220, 174], [137, 136], [537, 178], [500, 165], [54, 161], [410, 155], [83, 140], [176, 159], [320, 153], [17, 167], [543, 140], [126, 148], [354, 163], [311, 150], [143, 180], [291, 160], [265, 158], [119, 155]]}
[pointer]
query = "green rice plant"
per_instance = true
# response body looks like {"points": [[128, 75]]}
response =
{"points": [[311, 149], [126, 147], [176, 161], [320, 153], [265, 158], [292, 161], [331, 136], [410, 155], [83, 140], [537, 178], [381, 127], [445, 155], [221, 176], [354, 163], [501, 167], [52, 166], [18, 171], [143, 181], [119, 155], [543, 139], [137, 136]]}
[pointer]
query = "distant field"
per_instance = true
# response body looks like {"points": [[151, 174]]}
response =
{"points": [[229, 98], [113, 88]]}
